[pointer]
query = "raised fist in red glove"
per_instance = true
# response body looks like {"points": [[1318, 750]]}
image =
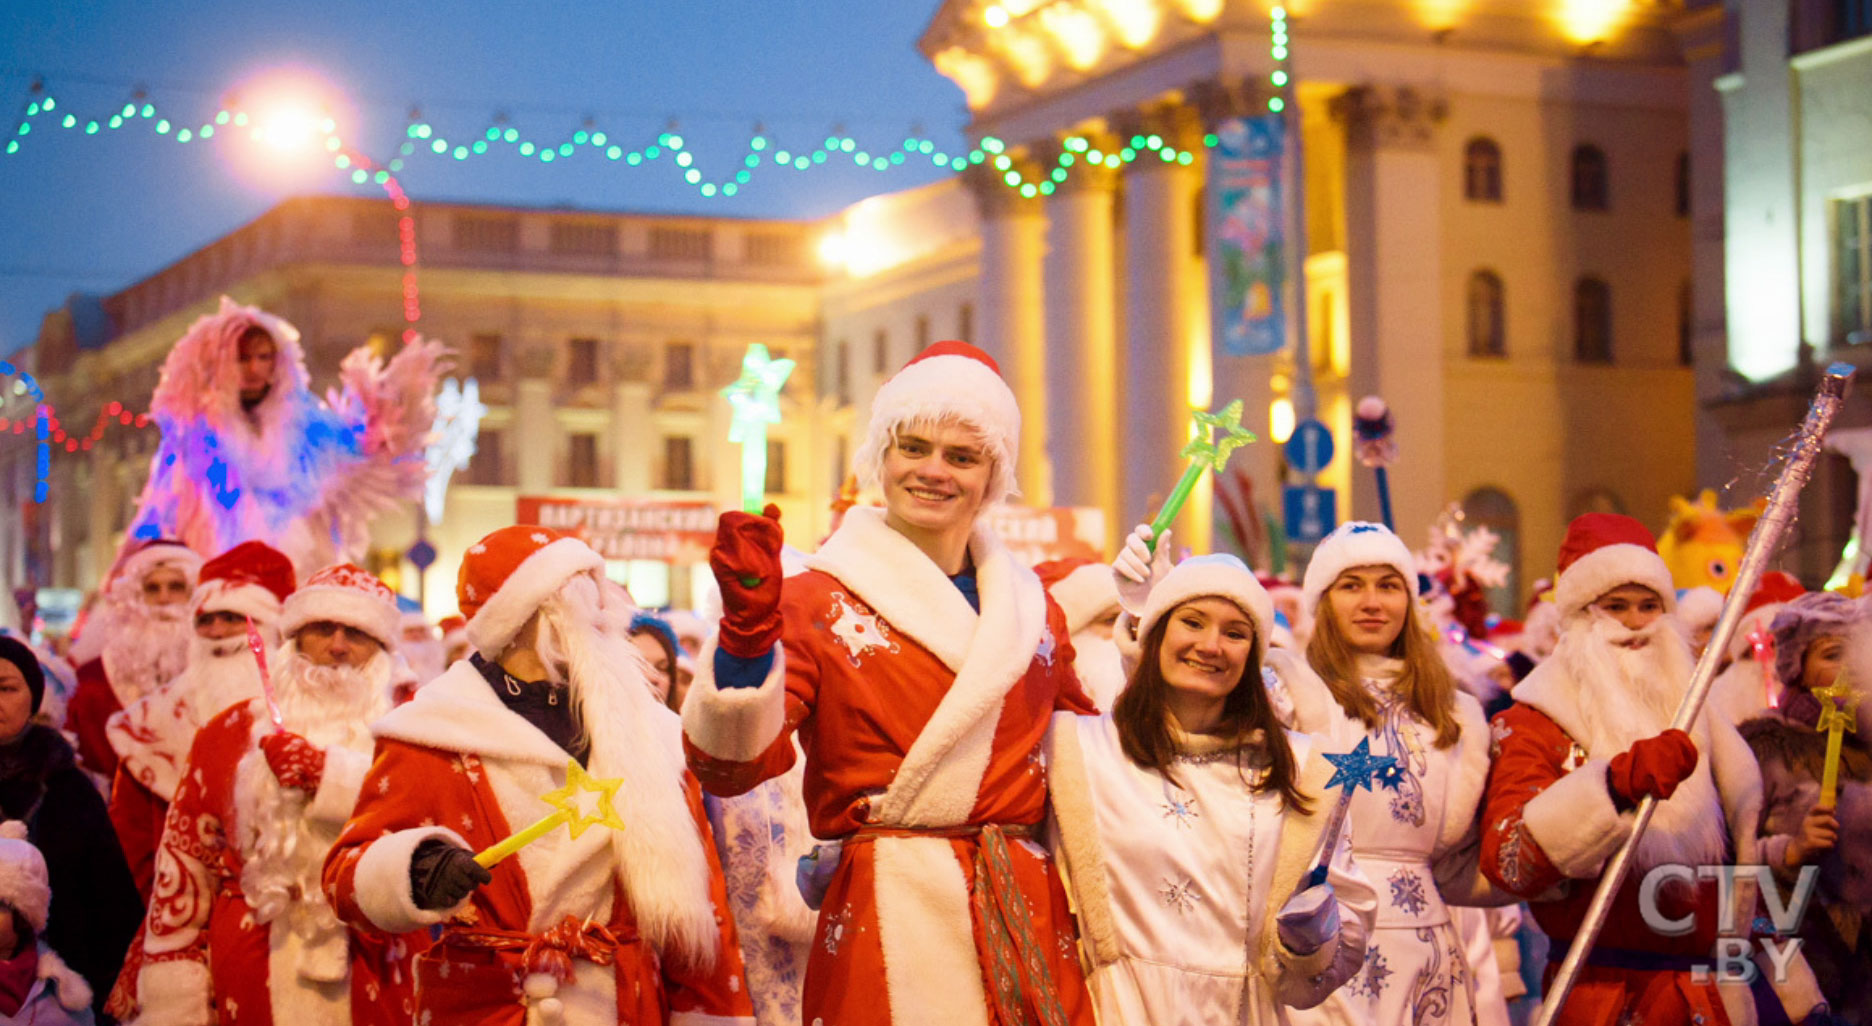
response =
{"points": [[295, 762], [746, 562], [1653, 767]]}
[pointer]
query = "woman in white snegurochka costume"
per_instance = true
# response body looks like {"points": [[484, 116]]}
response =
{"points": [[1187, 820], [1375, 674]]}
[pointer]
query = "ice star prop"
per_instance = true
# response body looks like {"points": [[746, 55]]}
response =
{"points": [[755, 401], [1205, 453], [1838, 705], [457, 426], [571, 808]]}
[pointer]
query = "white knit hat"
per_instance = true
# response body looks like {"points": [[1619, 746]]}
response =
{"points": [[1355, 543], [1219, 575], [948, 381], [349, 595], [506, 576], [23, 881]]}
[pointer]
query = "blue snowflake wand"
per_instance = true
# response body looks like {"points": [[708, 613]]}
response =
{"points": [[1351, 771]]}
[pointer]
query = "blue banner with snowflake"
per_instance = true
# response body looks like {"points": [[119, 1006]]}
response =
{"points": [[1247, 235]]}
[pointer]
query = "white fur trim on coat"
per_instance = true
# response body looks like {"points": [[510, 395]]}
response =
{"points": [[459, 712], [1575, 822], [348, 606], [734, 724], [338, 785], [382, 881], [532, 582], [73, 992], [931, 970], [1075, 840], [178, 992], [1608, 567]]}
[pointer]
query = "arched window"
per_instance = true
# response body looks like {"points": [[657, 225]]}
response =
{"points": [[1589, 178], [1493, 508], [1482, 171], [1592, 321], [1488, 329]]}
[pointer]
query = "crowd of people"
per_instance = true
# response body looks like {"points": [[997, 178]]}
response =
{"points": [[907, 779]]}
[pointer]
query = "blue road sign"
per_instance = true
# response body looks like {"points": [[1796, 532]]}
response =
{"points": [[1310, 448], [1312, 512], [422, 554]]}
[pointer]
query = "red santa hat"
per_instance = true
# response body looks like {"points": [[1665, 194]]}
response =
{"points": [[948, 382], [349, 595], [251, 579], [1218, 575], [1083, 588], [141, 559], [453, 628], [506, 576], [24, 883], [1355, 543], [1772, 593], [1603, 551]]}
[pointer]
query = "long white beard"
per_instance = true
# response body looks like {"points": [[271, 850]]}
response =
{"points": [[660, 861], [1100, 666], [220, 673], [1624, 695], [147, 647]]}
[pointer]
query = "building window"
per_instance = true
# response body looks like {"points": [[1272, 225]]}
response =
{"points": [[1683, 185], [880, 352], [484, 356], [581, 460], [1854, 19], [776, 467], [488, 466], [776, 249], [1686, 326], [841, 372], [1494, 509], [679, 366], [1852, 255], [922, 332], [583, 238], [1592, 321], [1589, 178], [481, 233], [681, 243], [581, 361], [679, 463], [1482, 174], [965, 322], [1488, 335]]}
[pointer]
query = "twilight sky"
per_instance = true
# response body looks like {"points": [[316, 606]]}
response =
{"points": [[97, 212]]}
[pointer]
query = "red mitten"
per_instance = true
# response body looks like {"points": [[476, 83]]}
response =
{"points": [[1652, 767], [296, 762], [746, 562]]}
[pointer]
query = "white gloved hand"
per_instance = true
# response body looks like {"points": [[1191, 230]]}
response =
{"points": [[1137, 569], [1309, 919]]}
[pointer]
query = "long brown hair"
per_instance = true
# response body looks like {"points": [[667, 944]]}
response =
{"points": [[1426, 684], [1142, 716]]}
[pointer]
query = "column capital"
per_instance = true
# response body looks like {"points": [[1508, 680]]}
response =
{"points": [[1084, 176], [1216, 100], [1383, 116], [994, 198]]}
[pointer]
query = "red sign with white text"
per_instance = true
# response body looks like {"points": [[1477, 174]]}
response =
{"points": [[670, 530]]}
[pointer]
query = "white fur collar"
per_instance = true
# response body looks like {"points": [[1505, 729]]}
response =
{"points": [[459, 712], [894, 577]]}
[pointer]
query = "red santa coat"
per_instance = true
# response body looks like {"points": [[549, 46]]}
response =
{"points": [[454, 763], [922, 722], [201, 948], [93, 701], [1549, 826]]}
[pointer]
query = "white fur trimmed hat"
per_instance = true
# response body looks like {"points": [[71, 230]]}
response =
{"points": [[23, 881], [137, 562], [349, 595], [1603, 551], [1352, 544], [951, 381], [1218, 575], [506, 576], [251, 579], [1083, 588]]}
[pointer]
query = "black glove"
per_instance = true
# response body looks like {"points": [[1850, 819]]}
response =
{"points": [[441, 875]]}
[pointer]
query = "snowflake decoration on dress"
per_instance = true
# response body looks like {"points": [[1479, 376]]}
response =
{"points": [[1180, 808], [1179, 894], [859, 629], [1407, 892], [1371, 980], [835, 930]]}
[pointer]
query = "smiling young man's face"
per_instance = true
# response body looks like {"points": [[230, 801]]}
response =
{"points": [[935, 476]]}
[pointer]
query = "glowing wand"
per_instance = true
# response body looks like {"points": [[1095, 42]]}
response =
{"points": [[1205, 453], [257, 645], [755, 398], [576, 816], [1838, 705]]}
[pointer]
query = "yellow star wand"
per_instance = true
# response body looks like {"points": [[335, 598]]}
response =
{"points": [[578, 816], [1839, 703]]}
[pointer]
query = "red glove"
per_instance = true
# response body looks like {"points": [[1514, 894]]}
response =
{"points": [[296, 762], [1652, 767], [746, 562]]}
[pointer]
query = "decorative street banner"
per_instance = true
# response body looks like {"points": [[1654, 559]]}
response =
{"points": [[669, 530], [1061, 532], [1248, 237]]}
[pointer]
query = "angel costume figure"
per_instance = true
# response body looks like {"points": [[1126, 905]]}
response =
{"points": [[249, 453]]}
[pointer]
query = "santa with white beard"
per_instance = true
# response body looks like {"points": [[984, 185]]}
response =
{"points": [[1587, 739], [152, 735], [1085, 593], [135, 640], [238, 929], [599, 926]]}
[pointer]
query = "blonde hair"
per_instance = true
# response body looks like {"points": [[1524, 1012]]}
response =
{"points": [[1426, 685]]}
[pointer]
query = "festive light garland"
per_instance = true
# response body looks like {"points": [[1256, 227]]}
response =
{"points": [[42, 466]]}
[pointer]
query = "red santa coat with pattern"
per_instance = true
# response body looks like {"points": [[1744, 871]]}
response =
{"points": [[201, 948], [921, 721], [454, 763]]}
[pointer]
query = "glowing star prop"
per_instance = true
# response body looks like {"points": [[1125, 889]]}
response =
{"points": [[1351, 771], [457, 424], [755, 400], [1839, 704], [257, 646], [577, 816], [1205, 453]]}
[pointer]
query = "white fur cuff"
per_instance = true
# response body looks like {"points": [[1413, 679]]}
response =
{"points": [[1575, 822], [735, 724], [382, 881], [338, 786], [704, 1019], [174, 993]]}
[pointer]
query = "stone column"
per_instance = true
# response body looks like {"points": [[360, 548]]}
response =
{"points": [[633, 431], [1081, 338], [535, 448], [1011, 318], [1394, 289]]}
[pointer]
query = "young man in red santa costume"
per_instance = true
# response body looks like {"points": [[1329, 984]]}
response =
{"points": [[238, 929], [920, 664], [152, 735], [134, 641], [1587, 739], [603, 927]]}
